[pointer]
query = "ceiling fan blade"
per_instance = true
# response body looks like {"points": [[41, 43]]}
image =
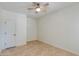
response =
{"points": [[30, 8], [34, 2], [43, 8], [46, 4]]}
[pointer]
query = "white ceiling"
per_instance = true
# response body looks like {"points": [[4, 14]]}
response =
{"points": [[21, 7]]}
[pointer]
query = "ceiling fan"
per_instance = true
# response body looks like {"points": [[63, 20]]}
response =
{"points": [[37, 7]]}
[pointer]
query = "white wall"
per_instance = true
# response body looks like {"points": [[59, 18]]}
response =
{"points": [[31, 29], [61, 28]]}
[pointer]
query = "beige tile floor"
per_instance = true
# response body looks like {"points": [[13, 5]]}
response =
{"points": [[35, 48]]}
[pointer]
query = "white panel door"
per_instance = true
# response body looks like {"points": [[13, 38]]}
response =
{"points": [[10, 34], [8, 26], [21, 30]]}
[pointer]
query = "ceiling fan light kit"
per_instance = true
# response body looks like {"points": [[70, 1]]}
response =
{"points": [[37, 7]]}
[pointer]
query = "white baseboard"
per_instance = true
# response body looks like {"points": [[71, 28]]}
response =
{"points": [[57, 46], [31, 40], [21, 44]]}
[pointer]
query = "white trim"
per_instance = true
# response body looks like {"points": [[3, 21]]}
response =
{"points": [[57, 46], [32, 40], [21, 44]]}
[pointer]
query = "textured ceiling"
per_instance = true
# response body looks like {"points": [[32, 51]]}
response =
{"points": [[21, 7]]}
